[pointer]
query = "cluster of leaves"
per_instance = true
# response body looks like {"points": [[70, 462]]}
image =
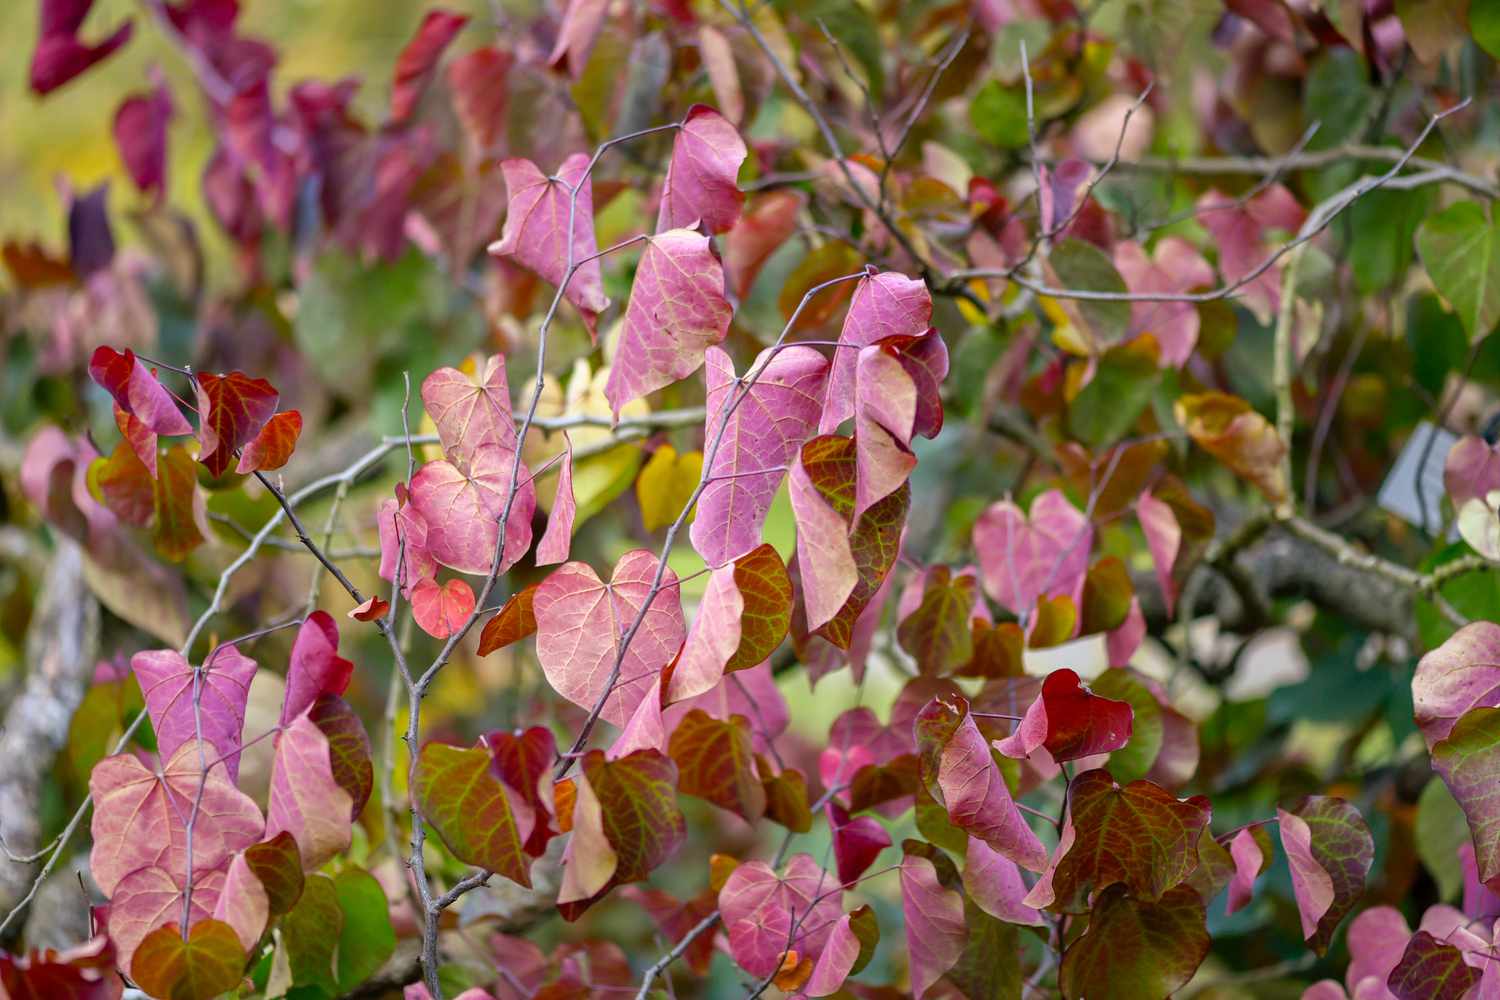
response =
{"points": [[1098, 838]]}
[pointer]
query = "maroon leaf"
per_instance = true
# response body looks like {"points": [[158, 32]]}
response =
{"points": [[349, 755], [1070, 721], [419, 58], [60, 54], [1146, 948], [1430, 969], [141, 134], [316, 668], [857, 842], [232, 409], [521, 758]]}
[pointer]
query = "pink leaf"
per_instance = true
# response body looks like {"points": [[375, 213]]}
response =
{"points": [[470, 410], [956, 763], [857, 842], [140, 130], [140, 816], [403, 539], [760, 438], [581, 622], [60, 54], [1312, 884], [419, 58], [760, 910], [306, 801], [713, 639], [1241, 235], [935, 930], [700, 190], [557, 540], [835, 961], [1249, 862], [479, 82], [1471, 470], [243, 903], [994, 882], [137, 391], [677, 311], [1023, 558], [442, 609], [1059, 188], [752, 693], [462, 510], [589, 860], [316, 667], [825, 561], [1462, 673], [760, 232], [220, 688], [1377, 938], [577, 34], [149, 898], [1121, 642], [536, 230], [1164, 539], [1177, 267], [885, 304]]}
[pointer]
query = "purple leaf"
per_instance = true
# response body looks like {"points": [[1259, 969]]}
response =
{"points": [[935, 929], [1250, 859], [60, 54], [994, 883], [140, 130], [1329, 849], [221, 688], [137, 391], [677, 311], [419, 58], [1471, 471], [760, 439]]}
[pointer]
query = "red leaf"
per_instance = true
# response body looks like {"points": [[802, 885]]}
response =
{"points": [[700, 190], [273, 446], [581, 24], [442, 609], [1070, 721], [857, 842], [479, 81], [760, 232], [232, 409], [419, 58], [137, 391], [372, 609], [521, 758]]}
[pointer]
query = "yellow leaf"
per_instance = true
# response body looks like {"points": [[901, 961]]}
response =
{"points": [[666, 485]]}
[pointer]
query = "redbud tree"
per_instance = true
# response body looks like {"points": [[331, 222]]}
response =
{"points": [[952, 499]]}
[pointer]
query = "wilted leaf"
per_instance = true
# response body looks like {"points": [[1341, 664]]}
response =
{"points": [[1227, 428]]}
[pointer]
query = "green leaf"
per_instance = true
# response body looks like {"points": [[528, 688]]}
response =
{"points": [[1338, 96], [1148, 732], [937, 632], [311, 933], [1135, 948], [367, 939], [990, 966], [1461, 251], [1075, 264], [278, 865], [461, 796], [999, 115], [209, 962], [638, 803], [1383, 223], [1484, 22], [1469, 762], [1121, 389], [715, 762], [1441, 830]]}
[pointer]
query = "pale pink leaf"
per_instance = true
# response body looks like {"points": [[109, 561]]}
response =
{"points": [[243, 903], [994, 883], [536, 230], [589, 860], [316, 667], [557, 540], [1121, 642], [1241, 234], [140, 815], [306, 800], [825, 560], [646, 728], [884, 415], [1471, 471], [462, 510], [403, 540], [700, 189], [581, 622], [1059, 190], [884, 304], [1164, 539], [470, 410], [1022, 558], [935, 930], [1377, 937], [1175, 267], [677, 311], [760, 910], [185, 703], [760, 439]]}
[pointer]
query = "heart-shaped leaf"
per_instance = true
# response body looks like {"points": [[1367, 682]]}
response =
{"points": [[442, 609], [483, 821], [187, 703], [202, 966], [232, 409]]}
